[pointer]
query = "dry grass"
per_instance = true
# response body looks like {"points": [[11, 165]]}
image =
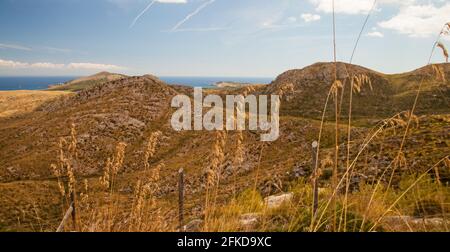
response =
{"points": [[108, 210], [444, 50], [213, 175], [397, 198], [14, 103]]}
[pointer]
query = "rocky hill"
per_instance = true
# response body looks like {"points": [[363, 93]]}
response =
{"points": [[86, 82], [305, 90], [130, 109], [105, 114]]}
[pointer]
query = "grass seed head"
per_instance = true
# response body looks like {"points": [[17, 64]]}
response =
{"points": [[150, 149], [119, 156], [240, 152], [444, 50], [335, 87], [217, 159]]}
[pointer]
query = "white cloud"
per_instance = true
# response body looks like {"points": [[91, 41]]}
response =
{"points": [[287, 24], [93, 66], [13, 64], [48, 65], [281, 22], [419, 20], [375, 34], [308, 17], [353, 7]]}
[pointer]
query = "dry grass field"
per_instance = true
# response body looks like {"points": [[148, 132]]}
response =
{"points": [[112, 146], [13, 103], [359, 151]]}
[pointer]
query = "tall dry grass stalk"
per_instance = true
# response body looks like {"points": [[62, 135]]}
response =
{"points": [[336, 88], [319, 139], [71, 160], [239, 153], [144, 213], [150, 149], [64, 170], [213, 173], [238, 158], [144, 200], [108, 180], [362, 30], [381, 127], [444, 50], [423, 175], [113, 167], [414, 106], [446, 29], [356, 84], [258, 166], [398, 160]]}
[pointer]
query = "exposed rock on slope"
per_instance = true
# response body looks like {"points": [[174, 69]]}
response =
{"points": [[305, 91], [105, 114], [130, 109]]}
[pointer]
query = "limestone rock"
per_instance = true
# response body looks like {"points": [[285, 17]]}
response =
{"points": [[276, 201]]}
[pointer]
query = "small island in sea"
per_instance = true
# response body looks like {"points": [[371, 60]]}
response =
{"points": [[231, 84]]}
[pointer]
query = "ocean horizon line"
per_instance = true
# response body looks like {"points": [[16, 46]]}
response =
{"points": [[9, 83]]}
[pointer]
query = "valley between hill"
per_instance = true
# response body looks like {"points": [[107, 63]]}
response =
{"points": [[100, 112]]}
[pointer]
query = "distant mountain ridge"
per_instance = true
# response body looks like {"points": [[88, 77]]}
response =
{"points": [[127, 108], [305, 90], [108, 109], [86, 82]]}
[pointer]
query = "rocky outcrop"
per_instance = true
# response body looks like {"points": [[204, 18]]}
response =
{"points": [[104, 115], [278, 200]]}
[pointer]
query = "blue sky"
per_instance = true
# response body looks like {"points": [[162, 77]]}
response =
{"points": [[258, 38]]}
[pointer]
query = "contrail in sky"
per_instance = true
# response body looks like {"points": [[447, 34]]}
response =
{"points": [[200, 8], [142, 13]]}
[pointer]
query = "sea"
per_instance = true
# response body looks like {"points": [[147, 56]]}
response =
{"points": [[41, 83]]}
